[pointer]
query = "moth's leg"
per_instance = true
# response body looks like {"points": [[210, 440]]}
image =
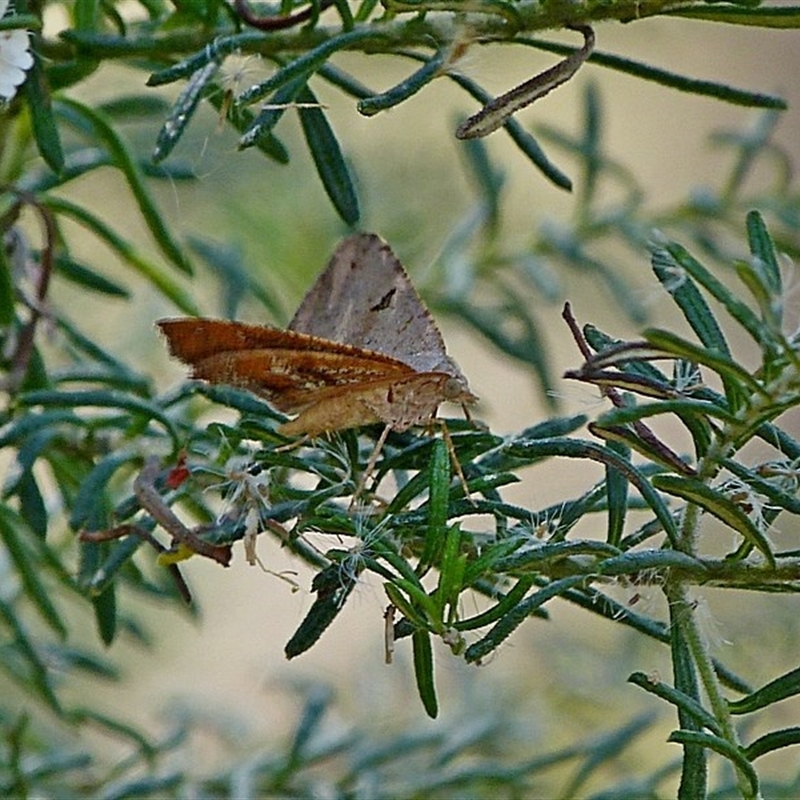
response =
{"points": [[448, 441], [368, 470], [285, 448]]}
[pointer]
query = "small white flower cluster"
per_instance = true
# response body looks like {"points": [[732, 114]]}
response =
{"points": [[15, 58]]}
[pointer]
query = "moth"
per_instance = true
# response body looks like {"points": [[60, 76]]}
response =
{"points": [[362, 349]]}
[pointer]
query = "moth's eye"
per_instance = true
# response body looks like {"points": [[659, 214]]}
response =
{"points": [[452, 389]]}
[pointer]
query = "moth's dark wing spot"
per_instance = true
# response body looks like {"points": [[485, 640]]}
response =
{"points": [[385, 300]]}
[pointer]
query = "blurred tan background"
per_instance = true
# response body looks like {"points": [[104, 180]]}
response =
{"points": [[561, 680]]}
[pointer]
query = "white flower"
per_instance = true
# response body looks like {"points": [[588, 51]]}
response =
{"points": [[15, 58]]}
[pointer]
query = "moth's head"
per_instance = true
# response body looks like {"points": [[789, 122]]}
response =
{"points": [[455, 390]]}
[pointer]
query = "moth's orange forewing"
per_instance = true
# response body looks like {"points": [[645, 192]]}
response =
{"points": [[361, 349]]}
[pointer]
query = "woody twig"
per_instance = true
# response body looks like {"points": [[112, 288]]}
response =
{"points": [[135, 530], [151, 501], [645, 434]]}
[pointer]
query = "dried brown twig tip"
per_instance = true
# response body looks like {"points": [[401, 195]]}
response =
{"points": [[496, 113], [151, 501], [609, 383], [109, 534]]}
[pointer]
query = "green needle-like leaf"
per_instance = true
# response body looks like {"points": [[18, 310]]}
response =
{"points": [[423, 671], [787, 685], [328, 158], [124, 161], [720, 506]]}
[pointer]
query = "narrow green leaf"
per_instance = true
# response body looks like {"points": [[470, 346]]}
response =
{"points": [[228, 262], [20, 429], [132, 107], [344, 81], [720, 506], [724, 748], [650, 447], [439, 489], [694, 767], [489, 179], [521, 138], [682, 701], [423, 671], [528, 558], [763, 485], [500, 609], [420, 599], [750, 275], [690, 301], [8, 297], [343, 7], [726, 368], [635, 562], [182, 111], [765, 264], [127, 252], [787, 685], [365, 9], [328, 158], [774, 740], [242, 119], [684, 408], [451, 574], [22, 21], [79, 660], [149, 786], [574, 448], [305, 65], [740, 311], [124, 161], [239, 399], [88, 507], [221, 47], [87, 278], [101, 398], [40, 677], [719, 91], [617, 492], [407, 609], [333, 587], [370, 106], [37, 94], [105, 614], [32, 507], [261, 125], [316, 704], [769, 17], [553, 427], [88, 347], [117, 555], [28, 568], [516, 616], [120, 729]]}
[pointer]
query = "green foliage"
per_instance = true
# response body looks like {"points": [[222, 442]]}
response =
{"points": [[104, 467]]}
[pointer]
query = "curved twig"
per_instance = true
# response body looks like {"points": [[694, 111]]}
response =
{"points": [[495, 113], [278, 23]]}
